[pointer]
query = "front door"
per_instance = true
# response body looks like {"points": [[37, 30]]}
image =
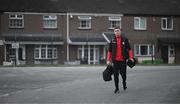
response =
{"points": [[164, 54], [94, 55], [20, 51], [89, 54]]}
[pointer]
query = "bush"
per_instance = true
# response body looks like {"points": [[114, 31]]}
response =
{"points": [[156, 61]]}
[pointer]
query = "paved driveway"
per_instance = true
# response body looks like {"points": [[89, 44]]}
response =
{"points": [[146, 84]]}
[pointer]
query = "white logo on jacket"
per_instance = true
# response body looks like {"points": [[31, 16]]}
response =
{"points": [[123, 43]]}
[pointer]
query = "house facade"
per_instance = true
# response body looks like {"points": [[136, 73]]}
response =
{"points": [[73, 36], [33, 38]]}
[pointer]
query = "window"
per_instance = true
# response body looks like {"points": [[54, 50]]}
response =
{"points": [[144, 50], [16, 21], [139, 23], [84, 22], [167, 23], [50, 21], [12, 53], [45, 52], [114, 21]]}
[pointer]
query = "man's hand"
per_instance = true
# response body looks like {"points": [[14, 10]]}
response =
{"points": [[132, 59], [108, 62]]}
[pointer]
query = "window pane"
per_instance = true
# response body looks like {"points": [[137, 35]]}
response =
{"points": [[36, 53], [50, 23], [12, 52], [85, 53], [88, 24], [136, 23], [80, 53], [84, 22], [12, 16], [150, 50], [55, 53], [144, 50], [142, 23], [43, 53], [164, 23], [171, 50], [19, 16], [169, 23], [97, 55], [49, 53], [137, 50]]}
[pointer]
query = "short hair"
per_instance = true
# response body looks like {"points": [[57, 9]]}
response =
{"points": [[118, 28]]}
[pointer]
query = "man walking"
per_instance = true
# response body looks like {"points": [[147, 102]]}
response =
{"points": [[118, 53]]}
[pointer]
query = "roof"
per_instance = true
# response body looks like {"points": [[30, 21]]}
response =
{"points": [[129, 7], [87, 39], [33, 38], [108, 36], [172, 38]]}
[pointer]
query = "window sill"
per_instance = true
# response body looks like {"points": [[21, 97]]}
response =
{"points": [[84, 28], [143, 55], [140, 29], [45, 28], [45, 59], [167, 29], [16, 27]]}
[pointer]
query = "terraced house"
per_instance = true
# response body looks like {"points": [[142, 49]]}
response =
{"points": [[78, 31]]}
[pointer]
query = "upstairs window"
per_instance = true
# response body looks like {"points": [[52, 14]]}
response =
{"points": [[114, 21], [167, 23], [139, 23], [16, 21], [84, 22], [50, 21]]}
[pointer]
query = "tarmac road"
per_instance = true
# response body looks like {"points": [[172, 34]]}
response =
{"points": [[84, 84]]}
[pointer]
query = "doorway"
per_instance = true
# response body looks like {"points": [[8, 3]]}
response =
{"points": [[164, 54]]}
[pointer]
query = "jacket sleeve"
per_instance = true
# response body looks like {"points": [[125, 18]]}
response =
{"points": [[109, 52], [130, 52]]}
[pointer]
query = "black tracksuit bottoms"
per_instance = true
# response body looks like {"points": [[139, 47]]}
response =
{"points": [[119, 67]]}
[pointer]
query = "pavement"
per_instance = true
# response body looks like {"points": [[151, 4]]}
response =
{"points": [[84, 84]]}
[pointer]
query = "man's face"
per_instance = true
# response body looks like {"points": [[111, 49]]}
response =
{"points": [[117, 32]]}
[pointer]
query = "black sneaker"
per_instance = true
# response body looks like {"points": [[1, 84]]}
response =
{"points": [[124, 86], [116, 91]]}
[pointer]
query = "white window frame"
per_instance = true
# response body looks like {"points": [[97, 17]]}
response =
{"points": [[87, 20], [48, 21], [139, 25], [16, 18], [114, 19], [139, 49], [39, 48], [166, 23]]}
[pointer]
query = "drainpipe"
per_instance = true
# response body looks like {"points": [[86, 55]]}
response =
{"points": [[67, 37], [152, 54]]}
